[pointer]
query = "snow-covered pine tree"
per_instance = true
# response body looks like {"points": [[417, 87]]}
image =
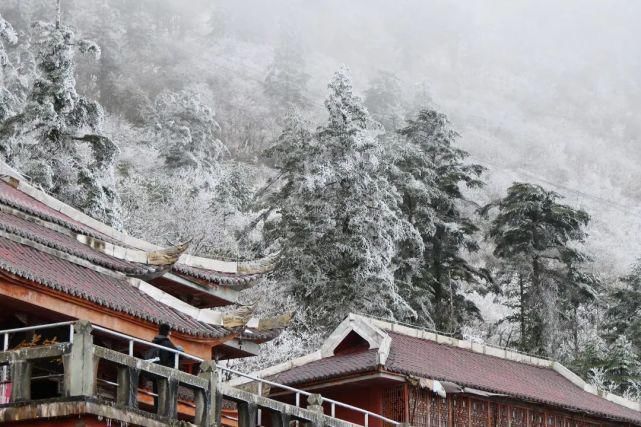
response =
{"points": [[430, 174], [622, 367], [7, 35], [58, 137], [195, 195], [383, 100], [185, 131], [623, 315], [337, 218], [614, 367], [286, 81], [8, 100], [536, 236]]}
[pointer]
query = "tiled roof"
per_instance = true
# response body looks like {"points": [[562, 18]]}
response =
{"points": [[66, 243], [14, 198], [429, 359], [219, 278], [415, 356], [111, 292], [330, 367], [256, 335]]}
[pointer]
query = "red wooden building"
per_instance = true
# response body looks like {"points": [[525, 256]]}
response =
{"points": [[425, 379], [57, 264]]}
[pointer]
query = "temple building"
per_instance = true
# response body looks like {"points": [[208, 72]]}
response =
{"points": [[425, 379], [59, 266]]}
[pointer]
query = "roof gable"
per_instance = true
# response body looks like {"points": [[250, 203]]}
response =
{"points": [[376, 338]]}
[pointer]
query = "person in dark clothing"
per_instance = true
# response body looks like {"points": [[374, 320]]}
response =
{"points": [[166, 357]]}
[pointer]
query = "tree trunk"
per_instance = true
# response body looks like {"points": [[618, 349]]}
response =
{"points": [[58, 13], [575, 332], [522, 310], [440, 295], [537, 321]]}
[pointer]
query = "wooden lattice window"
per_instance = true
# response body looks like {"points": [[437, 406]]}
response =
{"points": [[519, 416], [394, 403], [419, 408], [553, 420], [502, 415], [460, 411], [479, 413], [439, 413], [537, 419]]}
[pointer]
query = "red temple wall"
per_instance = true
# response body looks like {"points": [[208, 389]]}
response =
{"points": [[422, 408], [368, 398]]}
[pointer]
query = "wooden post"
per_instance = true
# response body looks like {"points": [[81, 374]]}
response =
{"points": [[406, 402], [247, 413], [127, 393], [208, 403], [80, 365], [21, 380]]}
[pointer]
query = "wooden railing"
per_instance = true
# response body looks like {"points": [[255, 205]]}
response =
{"points": [[80, 360]]}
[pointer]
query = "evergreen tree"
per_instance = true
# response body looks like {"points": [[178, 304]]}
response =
{"points": [[186, 131], [535, 236], [614, 367], [286, 81], [623, 316], [8, 35], [431, 172], [9, 101], [57, 134], [383, 99], [623, 367], [337, 219]]}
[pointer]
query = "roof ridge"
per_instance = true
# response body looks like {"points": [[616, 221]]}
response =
{"points": [[91, 258], [23, 186], [65, 256], [17, 181], [431, 335]]}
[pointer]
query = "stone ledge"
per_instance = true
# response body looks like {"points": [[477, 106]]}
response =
{"points": [[295, 412], [34, 353], [149, 367], [76, 406]]}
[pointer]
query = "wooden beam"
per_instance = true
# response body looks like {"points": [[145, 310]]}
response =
{"points": [[221, 292]]}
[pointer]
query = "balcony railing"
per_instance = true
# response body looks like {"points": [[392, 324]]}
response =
{"points": [[81, 358]]}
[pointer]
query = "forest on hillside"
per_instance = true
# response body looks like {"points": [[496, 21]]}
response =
{"points": [[448, 176]]}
